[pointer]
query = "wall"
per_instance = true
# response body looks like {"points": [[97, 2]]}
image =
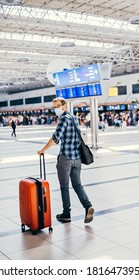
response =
{"points": [[127, 80], [28, 94]]}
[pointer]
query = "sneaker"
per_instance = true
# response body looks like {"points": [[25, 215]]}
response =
{"points": [[89, 215], [65, 218]]}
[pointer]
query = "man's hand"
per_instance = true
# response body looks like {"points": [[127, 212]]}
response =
{"points": [[40, 152], [46, 147]]}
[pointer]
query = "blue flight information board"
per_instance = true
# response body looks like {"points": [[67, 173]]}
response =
{"points": [[79, 91], [76, 76]]}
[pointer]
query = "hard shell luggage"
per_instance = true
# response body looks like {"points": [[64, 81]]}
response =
{"points": [[34, 202]]}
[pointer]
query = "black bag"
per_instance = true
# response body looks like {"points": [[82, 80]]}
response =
{"points": [[85, 153]]}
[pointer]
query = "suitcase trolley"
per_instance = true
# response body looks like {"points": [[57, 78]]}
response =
{"points": [[34, 202]]}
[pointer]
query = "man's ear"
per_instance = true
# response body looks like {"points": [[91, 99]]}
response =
{"points": [[65, 106]]}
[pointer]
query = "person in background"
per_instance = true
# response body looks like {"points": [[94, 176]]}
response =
{"points": [[13, 125], [68, 162], [88, 120]]}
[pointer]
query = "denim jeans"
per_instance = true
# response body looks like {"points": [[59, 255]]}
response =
{"points": [[70, 169]]}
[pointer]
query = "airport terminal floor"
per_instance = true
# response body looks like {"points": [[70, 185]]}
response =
{"points": [[111, 182]]}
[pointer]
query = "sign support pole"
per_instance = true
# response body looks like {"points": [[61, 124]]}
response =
{"points": [[70, 106], [94, 123]]}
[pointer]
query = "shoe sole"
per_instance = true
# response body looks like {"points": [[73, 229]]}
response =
{"points": [[66, 220], [89, 216]]}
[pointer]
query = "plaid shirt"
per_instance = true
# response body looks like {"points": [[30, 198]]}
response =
{"points": [[65, 132]]}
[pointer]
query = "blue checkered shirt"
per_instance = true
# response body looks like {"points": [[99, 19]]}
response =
{"points": [[65, 133]]}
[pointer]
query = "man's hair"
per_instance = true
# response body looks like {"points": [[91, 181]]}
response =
{"points": [[62, 100]]}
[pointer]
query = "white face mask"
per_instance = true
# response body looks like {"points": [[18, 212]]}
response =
{"points": [[59, 111]]}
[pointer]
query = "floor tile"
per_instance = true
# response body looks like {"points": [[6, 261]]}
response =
{"points": [[117, 253], [85, 245], [47, 252], [121, 234], [133, 246], [21, 241]]}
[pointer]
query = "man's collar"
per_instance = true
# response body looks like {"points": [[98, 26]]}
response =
{"points": [[66, 112]]}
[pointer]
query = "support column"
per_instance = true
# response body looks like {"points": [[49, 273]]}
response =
{"points": [[70, 106], [94, 123]]}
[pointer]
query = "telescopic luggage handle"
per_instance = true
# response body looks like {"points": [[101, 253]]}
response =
{"points": [[42, 166]]}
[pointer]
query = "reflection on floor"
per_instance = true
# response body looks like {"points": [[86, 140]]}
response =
{"points": [[111, 182]]}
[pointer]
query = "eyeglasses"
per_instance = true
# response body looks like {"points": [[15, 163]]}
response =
{"points": [[57, 106]]}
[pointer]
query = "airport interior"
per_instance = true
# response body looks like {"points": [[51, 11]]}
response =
{"points": [[86, 52]]}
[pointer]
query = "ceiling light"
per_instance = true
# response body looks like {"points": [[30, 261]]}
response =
{"points": [[67, 44], [11, 2], [134, 20]]}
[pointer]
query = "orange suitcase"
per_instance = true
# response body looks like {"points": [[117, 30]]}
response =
{"points": [[34, 202]]}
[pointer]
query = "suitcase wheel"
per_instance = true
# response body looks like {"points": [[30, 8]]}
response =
{"points": [[34, 232], [50, 229], [22, 227]]}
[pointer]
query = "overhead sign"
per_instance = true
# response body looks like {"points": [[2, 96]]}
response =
{"points": [[56, 65], [113, 91], [76, 76], [79, 91]]}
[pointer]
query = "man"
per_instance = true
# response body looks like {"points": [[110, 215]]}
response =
{"points": [[68, 162]]}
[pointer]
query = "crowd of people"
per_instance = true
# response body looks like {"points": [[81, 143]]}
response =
{"points": [[26, 119], [121, 119], [105, 119]]}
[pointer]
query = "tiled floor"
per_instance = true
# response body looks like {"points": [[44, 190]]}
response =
{"points": [[112, 183]]}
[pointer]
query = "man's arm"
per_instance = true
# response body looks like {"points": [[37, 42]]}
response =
{"points": [[56, 137], [47, 146]]}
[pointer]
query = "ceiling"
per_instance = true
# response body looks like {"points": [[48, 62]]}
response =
{"points": [[33, 33]]}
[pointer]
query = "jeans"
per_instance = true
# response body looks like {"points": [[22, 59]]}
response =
{"points": [[13, 132], [70, 169]]}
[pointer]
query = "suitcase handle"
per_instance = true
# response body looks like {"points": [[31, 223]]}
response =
{"points": [[45, 204], [42, 166]]}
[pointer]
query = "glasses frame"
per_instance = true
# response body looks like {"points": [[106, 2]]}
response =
{"points": [[58, 106]]}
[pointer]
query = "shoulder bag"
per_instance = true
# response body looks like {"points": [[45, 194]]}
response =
{"points": [[85, 153]]}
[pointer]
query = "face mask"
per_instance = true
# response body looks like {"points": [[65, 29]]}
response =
{"points": [[59, 111]]}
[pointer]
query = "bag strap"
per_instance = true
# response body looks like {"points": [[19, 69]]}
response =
{"points": [[77, 130]]}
